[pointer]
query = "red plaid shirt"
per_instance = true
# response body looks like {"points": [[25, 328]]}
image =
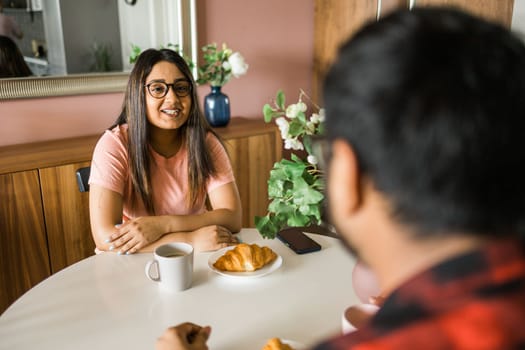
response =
{"points": [[473, 301]]}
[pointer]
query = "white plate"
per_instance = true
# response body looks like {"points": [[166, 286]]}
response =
{"points": [[257, 273], [295, 345]]}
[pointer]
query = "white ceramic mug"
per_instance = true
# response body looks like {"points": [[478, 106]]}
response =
{"points": [[356, 315], [364, 282], [173, 263]]}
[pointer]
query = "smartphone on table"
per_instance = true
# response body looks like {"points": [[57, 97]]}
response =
{"points": [[296, 240]]}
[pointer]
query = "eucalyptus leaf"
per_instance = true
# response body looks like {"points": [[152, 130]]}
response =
{"points": [[276, 187], [294, 170], [307, 143], [265, 226], [281, 207], [302, 117], [320, 129], [295, 187], [298, 219], [296, 159], [280, 100], [268, 113], [296, 127]]}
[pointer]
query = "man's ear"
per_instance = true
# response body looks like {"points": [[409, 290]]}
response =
{"points": [[344, 181]]}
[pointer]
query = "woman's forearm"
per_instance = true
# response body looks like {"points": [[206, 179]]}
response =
{"points": [[205, 238], [184, 237], [227, 218]]}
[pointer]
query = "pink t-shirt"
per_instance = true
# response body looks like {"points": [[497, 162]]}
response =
{"points": [[169, 176]]}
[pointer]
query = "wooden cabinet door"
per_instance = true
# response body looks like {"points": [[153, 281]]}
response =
{"points": [[67, 216], [495, 10], [24, 257], [334, 22], [252, 159]]}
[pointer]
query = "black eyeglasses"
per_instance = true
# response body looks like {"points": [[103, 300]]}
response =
{"points": [[322, 150], [159, 89]]}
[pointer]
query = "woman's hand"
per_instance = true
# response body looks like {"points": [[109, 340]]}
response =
{"points": [[212, 238], [135, 234], [185, 336]]}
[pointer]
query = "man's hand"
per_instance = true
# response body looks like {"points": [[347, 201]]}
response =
{"points": [[185, 336]]}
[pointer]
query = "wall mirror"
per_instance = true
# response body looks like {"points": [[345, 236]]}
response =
{"points": [[143, 23]]}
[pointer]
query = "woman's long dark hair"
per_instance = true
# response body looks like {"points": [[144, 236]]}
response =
{"points": [[193, 132], [12, 63]]}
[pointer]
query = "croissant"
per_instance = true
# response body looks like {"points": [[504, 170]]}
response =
{"points": [[276, 344], [245, 257]]}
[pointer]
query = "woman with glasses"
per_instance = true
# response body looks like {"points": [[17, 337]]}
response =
{"points": [[160, 174]]}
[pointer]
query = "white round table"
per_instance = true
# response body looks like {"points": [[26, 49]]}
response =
{"points": [[107, 302]]}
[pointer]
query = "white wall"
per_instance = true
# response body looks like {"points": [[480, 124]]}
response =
{"points": [[73, 27], [147, 24], [56, 54], [84, 24], [518, 17]]}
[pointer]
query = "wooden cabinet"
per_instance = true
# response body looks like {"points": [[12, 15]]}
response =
{"points": [[252, 159], [335, 21], [499, 11], [66, 210], [24, 258], [44, 219]]}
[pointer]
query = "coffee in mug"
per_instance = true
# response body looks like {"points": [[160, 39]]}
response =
{"points": [[172, 266]]}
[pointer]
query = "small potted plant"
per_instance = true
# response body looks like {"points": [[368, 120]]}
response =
{"points": [[295, 186], [218, 68]]}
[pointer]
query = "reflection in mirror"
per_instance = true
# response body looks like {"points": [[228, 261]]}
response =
{"points": [[80, 37]]}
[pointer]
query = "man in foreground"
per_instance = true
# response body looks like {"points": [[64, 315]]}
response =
{"points": [[425, 160]]}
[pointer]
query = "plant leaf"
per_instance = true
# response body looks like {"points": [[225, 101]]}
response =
{"points": [[279, 207], [268, 113], [280, 100], [302, 117], [298, 219], [269, 225], [264, 225], [307, 143]]}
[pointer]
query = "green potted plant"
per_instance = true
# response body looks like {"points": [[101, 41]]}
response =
{"points": [[220, 65], [296, 184]]}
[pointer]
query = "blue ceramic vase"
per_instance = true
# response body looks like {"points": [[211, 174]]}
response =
{"points": [[217, 107]]}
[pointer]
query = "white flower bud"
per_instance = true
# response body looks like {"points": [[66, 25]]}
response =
{"points": [[322, 115], [293, 144], [312, 159], [291, 111], [310, 128], [284, 126], [238, 65], [281, 121]]}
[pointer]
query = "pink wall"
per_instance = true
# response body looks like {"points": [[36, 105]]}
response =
{"points": [[42, 119], [274, 36], [276, 39]]}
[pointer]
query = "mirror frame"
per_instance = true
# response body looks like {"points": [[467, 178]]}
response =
{"points": [[51, 86], [97, 83]]}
